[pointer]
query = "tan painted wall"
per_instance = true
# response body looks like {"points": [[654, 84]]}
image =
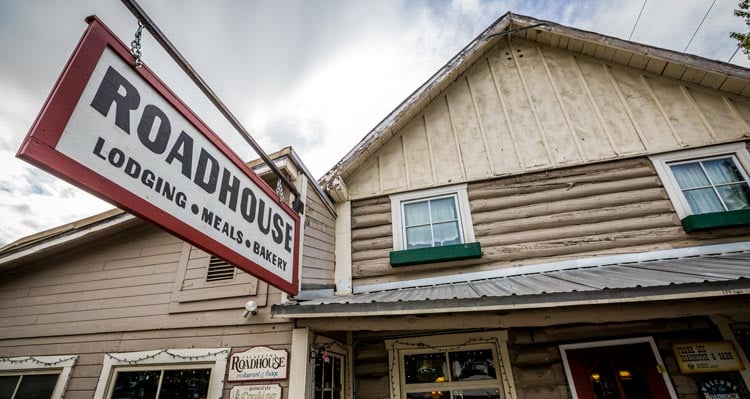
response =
{"points": [[125, 293], [524, 107], [318, 243], [582, 211]]}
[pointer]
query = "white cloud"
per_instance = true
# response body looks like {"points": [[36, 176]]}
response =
{"points": [[314, 75]]}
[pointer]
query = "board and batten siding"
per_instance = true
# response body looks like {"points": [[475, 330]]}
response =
{"points": [[318, 243], [125, 293], [604, 208], [527, 107]]}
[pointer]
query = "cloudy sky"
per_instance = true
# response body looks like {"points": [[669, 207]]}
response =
{"points": [[317, 75]]}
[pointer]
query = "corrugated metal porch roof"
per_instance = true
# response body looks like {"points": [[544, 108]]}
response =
{"points": [[693, 276]]}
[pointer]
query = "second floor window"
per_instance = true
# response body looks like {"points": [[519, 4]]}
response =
{"points": [[432, 222], [712, 184]]}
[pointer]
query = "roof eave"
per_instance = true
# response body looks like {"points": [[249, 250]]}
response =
{"points": [[514, 302]]}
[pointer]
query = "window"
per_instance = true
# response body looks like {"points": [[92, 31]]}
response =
{"points": [[709, 187], [431, 218], [162, 374], [35, 376], [460, 366], [329, 372], [432, 226], [329, 376]]}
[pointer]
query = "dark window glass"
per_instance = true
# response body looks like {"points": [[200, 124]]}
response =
{"points": [[425, 368], [136, 384], [32, 386], [185, 384], [472, 365], [36, 386], [483, 393], [428, 395], [8, 386]]}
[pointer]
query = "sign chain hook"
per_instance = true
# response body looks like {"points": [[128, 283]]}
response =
{"points": [[280, 190], [135, 46]]}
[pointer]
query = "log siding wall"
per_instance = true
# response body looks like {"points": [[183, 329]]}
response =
{"points": [[527, 107], [535, 356], [611, 207]]}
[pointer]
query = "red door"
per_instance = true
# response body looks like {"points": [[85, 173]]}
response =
{"points": [[617, 372]]}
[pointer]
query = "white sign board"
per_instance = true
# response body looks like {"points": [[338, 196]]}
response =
{"points": [[258, 363], [119, 133], [256, 392]]}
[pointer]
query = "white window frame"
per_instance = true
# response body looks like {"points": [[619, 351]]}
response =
{"points": [[494, 340], [661, 163], [214, 358], [462, 202], [25, 365], [615, 342]]}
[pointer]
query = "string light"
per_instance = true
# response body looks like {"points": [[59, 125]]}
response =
{"points": [[167, 352], [16, 360]]}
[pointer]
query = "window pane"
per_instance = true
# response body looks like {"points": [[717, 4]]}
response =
{"points": [[472, 365], [8, 386], [428, 395], [446, 234], [38, 386], [182, 384], [443, 209], [429, 367], [483, 393], [136, 384], [735, 196], [416, 213], [722, 171], [690, 175], [418, 237], [703, 200]]}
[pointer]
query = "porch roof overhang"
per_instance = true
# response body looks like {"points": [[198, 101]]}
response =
{"points": [[690, 277]]}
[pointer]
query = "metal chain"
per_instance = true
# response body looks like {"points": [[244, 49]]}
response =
{"points": [[135, 46], [280, 190]]}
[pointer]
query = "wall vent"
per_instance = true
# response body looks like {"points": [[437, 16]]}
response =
{"points": [[219, 270]]}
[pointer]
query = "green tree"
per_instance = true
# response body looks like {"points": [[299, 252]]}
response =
{"points": [[743, 39]]}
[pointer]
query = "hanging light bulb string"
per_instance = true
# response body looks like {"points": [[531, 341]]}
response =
{"points": [[18, 360], [155, 354]]}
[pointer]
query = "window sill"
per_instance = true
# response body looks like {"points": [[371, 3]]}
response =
{"points": [[712, 220], [447, 253]]}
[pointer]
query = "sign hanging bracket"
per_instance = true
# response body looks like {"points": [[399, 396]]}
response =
{"points": [[167, 45], [135, 46]]}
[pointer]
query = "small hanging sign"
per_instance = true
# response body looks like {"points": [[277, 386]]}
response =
{"points": [[257, 364], [256, 392], [707, 357]]}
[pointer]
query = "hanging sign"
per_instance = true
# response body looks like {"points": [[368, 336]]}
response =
{"points": [[707, 357], [256, 392], [257, 364], [121, 134]]}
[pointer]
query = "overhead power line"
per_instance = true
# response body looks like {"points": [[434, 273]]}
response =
{"points": [[699, 26], [638, 19]]}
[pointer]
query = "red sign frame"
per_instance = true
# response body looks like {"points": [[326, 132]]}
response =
{"points": [[39, 149]]}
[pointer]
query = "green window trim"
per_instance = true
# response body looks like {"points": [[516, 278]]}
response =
{"points": [[705, 221], [445, 253]]}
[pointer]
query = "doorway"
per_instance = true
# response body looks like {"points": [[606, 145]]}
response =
{"points": [[622, 369]]}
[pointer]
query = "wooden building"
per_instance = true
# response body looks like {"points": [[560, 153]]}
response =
{"points": [[100, 307], [554, 214]]}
